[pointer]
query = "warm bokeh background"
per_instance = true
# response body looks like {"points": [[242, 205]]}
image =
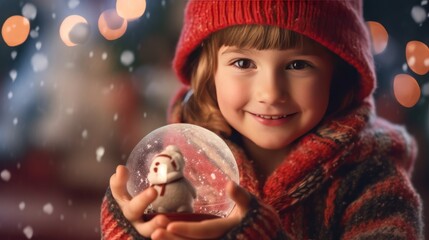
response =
{"points": [[69, 115]]}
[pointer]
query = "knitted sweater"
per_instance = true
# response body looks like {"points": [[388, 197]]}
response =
{"points": [[347, 179]]}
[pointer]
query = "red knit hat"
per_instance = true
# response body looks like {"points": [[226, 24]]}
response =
{"points": [[336, 24]]}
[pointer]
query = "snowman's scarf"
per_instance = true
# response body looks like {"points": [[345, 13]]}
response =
{"points": [[164, 186]]}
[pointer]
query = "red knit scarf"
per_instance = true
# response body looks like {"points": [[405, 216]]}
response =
{"points": [[349, 139]]}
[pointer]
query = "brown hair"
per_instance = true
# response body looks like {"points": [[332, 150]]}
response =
{"points": [[201, 107]]}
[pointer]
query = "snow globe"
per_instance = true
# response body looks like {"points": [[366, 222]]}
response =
{"points": [[189, 166]]}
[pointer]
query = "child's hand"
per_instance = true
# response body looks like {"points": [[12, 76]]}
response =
{"points": [[133, 208], [209, 229]]}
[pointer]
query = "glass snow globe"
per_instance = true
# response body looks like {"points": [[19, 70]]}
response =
{"points": [[189, 166]]}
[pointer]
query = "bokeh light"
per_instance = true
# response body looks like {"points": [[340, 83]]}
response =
{"points": [[379, 36], [15, 30], [130, 9], [417, 54], [111, 25], [67, 26], [406, 90]]}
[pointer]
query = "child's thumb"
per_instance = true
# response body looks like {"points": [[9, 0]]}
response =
{"points": [[239, 195]]}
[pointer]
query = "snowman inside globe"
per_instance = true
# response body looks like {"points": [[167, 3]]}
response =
{"points": [[175, 192], [189, 167]]}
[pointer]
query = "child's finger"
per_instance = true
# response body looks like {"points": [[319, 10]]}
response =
{"points": [[118, 183], [210, 229], [239, 195], [147, 228], [135, 208]]}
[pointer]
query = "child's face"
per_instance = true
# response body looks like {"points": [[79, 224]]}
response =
{"points": [[272, 97]]}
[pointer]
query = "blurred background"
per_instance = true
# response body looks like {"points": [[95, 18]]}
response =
{"points": [[80, 86]]}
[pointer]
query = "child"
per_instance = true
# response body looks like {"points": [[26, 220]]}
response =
{"points": [[288, 84]]}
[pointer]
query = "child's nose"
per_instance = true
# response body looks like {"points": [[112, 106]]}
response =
{"points": [[272, 88]]}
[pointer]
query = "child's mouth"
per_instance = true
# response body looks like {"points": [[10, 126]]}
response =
{"points": [[272, 117]]}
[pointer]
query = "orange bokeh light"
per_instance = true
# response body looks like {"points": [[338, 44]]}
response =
{"points": [[417, 54], [130, 9], [406, 90], [67, 26], [379, 35], [111, 25], [15, 30]]}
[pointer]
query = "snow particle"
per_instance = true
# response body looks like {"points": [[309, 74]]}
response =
{"points": [[425, 89], [79, 33], [72, 4], [38, 45], [48, 208], [39, 62], [99, 153], [10, 95], [13, 74], [5, 175], [404, 67], [28, 232], [127, 57], [13, 54], [115, 117], [15, 121], [29, 11], [84, 134], [104, 56], [34, 34], [21, 206], [418, 13]]}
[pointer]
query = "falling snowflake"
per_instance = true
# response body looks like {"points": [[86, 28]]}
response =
{"points": [[72, 4], [39, 62], [48, 208], [29, 11], [5, 175], [418, 13], [104, 56], [84, 134], [127, 57], [13, 74], [99, 153], [38, 45], [21, 206], [13, 55], [28, 232]]}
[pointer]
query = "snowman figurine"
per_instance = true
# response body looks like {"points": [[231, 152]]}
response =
{"points": [[175, 192]]}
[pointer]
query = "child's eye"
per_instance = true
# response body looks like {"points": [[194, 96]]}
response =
{"points": [[244, 63], [298, 65]]}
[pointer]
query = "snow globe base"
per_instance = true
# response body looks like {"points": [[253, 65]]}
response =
{"points": [[190, 217]]}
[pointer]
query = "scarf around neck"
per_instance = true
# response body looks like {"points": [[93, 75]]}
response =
{"points": [[355, 137]]}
